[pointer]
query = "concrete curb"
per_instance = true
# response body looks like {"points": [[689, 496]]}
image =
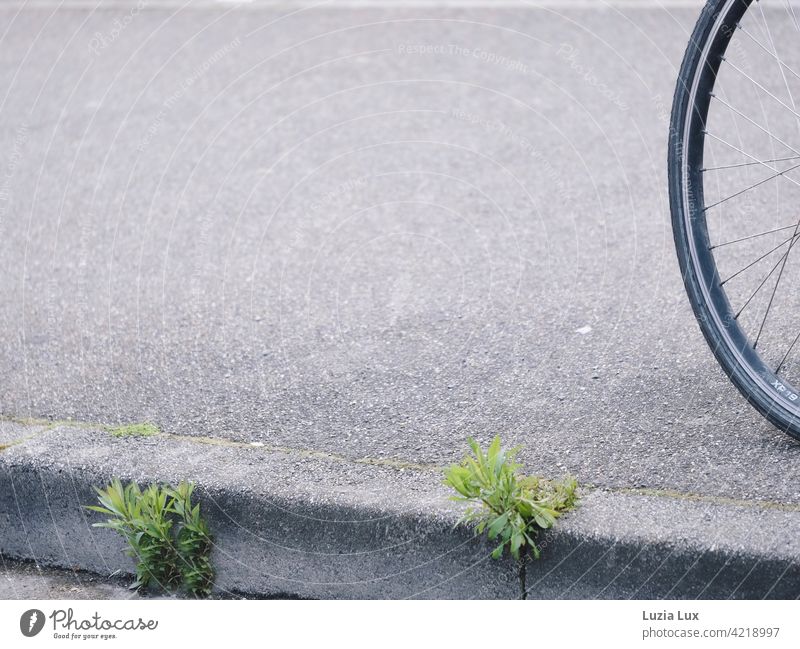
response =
{"points": [[314, 525]]}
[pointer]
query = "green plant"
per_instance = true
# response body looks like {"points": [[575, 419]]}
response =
{"points": [[509, 507], [166, 535], [193, 542], [145, 429]]}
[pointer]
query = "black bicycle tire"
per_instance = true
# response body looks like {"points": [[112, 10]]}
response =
{"points": [[742, 364]]}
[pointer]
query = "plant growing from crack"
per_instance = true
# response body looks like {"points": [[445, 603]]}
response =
{"points": [[512, 509], [193, 541], [166, 535]]}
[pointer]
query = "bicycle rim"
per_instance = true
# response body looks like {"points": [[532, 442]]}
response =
{"points": [[735, 193]]}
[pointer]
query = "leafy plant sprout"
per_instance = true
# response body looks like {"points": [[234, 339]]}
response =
{"points": [[166, 535], [509, 507], [193, 541]]}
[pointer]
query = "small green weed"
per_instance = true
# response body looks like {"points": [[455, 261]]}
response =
{"points": [[509, 507], [145, 429], [194, 541], [166, 535]]}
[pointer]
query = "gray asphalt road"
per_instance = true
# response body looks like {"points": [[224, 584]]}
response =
{"points": [[19, 580], [373, 230], [26, 580]]}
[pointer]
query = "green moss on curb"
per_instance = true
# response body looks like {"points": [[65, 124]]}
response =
{"points": [[145, 429]]}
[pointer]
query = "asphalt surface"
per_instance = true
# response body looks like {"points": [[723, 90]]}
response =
{"points": [[26, 580], [23, 580], [372, 230]]}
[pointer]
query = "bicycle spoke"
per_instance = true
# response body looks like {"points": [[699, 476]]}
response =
{"points": [[752, 236], [782, 66], [757, 42], [775, 97], [736, 148], [778, 58], [775, 289], [764, 256], [761, 285], [751, 187], [786, 355], [750, 164], [794, 17], [756, 124]]}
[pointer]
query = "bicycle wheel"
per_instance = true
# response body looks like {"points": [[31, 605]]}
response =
{"points": [[734, 182]]}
